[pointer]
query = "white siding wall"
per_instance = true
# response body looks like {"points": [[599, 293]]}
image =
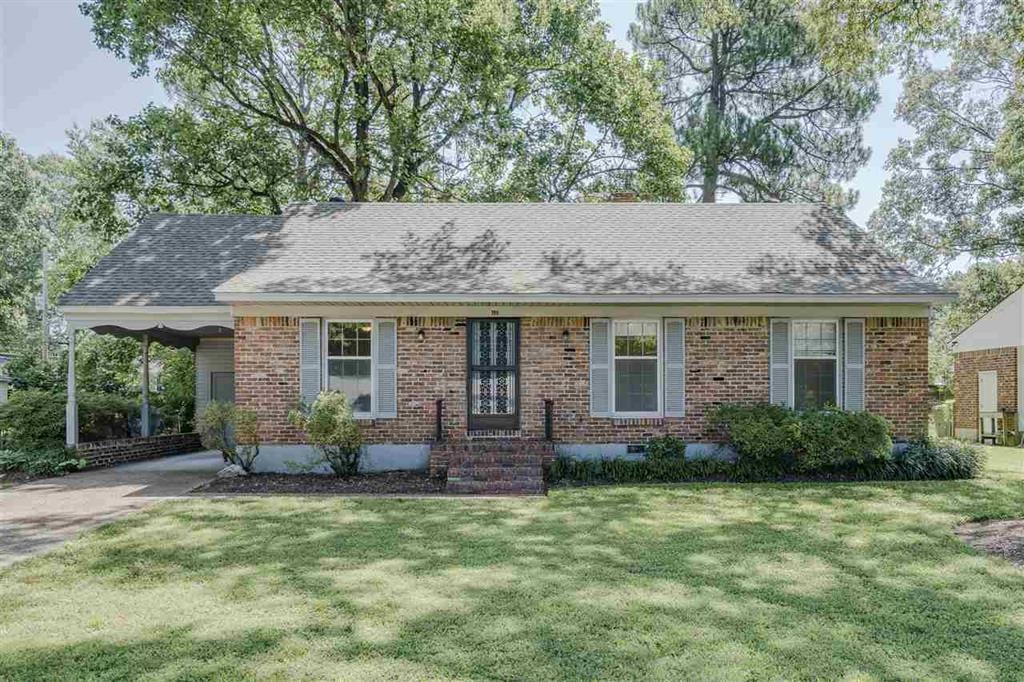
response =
{"points": [[212, 355]]}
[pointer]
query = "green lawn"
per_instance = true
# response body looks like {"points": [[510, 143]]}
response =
{"points": [[851, 581]]}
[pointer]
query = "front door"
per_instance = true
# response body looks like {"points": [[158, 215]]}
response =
{"points": [[493, 376]]}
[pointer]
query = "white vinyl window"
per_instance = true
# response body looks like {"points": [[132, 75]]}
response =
{"points": [[815, 364], [636, 375], [349, 361]]}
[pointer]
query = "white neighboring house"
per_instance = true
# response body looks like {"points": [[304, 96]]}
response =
{"points": [[989, 368], [5, 381]]}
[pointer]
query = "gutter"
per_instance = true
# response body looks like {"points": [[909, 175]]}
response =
{"points": [[579, 299]]}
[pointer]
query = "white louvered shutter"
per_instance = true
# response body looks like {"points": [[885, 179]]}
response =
{"points": [[675, 367], [600, 367], [385, 369], [853, 380], [310, 359], [779, 371]]}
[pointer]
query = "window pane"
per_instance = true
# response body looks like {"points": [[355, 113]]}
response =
{"points": [[814, 384], [636, 385], [814, 339], [636, 339], [353, 378]]}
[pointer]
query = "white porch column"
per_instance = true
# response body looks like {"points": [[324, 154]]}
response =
{"points": [[71, 414], [145, 386]]}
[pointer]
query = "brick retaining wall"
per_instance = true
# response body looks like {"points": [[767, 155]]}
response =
{"points": [[107, 453]]}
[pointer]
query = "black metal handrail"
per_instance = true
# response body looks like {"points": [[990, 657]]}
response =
{"points": [[439, 420], [549, 419]]}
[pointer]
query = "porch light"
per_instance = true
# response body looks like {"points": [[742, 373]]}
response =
{"points": [[421, 335], [565, 336]]}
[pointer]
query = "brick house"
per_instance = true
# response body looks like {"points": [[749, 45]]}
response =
{"points": [[532, 328], [987, 372]]}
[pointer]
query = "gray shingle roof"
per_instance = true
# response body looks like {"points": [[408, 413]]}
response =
{"points": [[497, 249]]}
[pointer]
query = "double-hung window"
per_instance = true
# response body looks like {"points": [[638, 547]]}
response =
{"points": [[636, 374], [815, 363], [350, 362]]}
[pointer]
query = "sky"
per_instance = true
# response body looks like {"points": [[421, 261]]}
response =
{"points": [[52, 77]]}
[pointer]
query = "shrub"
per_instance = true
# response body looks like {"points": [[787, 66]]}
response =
{"points": [[833, 440], [664, 470], [332, 429], [932, 459], [665, 448], [215, 427], [247, 438], [48, 462], [232, 430], [33, 419], [765, 437]]}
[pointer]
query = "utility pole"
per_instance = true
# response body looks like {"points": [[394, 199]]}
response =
{"points": [[44, 305]]}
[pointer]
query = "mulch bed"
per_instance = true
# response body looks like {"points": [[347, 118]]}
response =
{"points": [[386, 483], [1001, 537]]}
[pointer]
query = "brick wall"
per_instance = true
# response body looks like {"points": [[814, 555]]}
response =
{"points": [[896, 373], [267, 373], [106, 453], [726, 362], [965, 382]]}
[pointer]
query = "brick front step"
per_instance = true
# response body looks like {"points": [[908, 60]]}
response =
{"points": [[493, 467]]}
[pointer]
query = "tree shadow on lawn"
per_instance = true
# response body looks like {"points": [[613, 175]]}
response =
{"points": [[716, 581]]}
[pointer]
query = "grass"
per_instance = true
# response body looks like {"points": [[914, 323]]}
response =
{"points": [[707, 581]]}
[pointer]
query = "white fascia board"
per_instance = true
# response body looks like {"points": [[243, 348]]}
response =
{"points": [[318, 297], [145, 317]]}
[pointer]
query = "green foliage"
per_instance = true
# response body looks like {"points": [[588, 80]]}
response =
{"points": [[665, 448], [950, 190], [33, 419], [940, 459], [234, 431], [215, 426], [332, 429], [774, 440], [664, 470], [174, 394], [764, 115], [45, 462], [833, 440], [21, 245], [247, 438], [386, 100], [765, 437]]}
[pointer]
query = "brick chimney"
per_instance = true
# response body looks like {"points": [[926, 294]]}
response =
{"points": [[623, 197]]}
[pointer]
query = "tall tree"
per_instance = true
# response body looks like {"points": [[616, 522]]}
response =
{"points": [[753, 100], [947, 194], [21, 245], [397, 99]]}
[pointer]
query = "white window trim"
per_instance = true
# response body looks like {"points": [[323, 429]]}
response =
{"points": [[793, 357], [325, 378], [612, 369]]}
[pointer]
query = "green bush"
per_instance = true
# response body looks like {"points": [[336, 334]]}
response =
{"points": [[47, 462], [215, 427], [931, 459], [332, 429], [833, 440], [247, 438], [665, 448], [34, 419], [665, 470], [234, 431], [765, 437]]}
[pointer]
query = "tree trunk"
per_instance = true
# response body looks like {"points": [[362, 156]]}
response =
{"points": [[713, 122]]}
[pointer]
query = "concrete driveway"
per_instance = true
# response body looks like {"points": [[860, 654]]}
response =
{"points": [[40, 515]]}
